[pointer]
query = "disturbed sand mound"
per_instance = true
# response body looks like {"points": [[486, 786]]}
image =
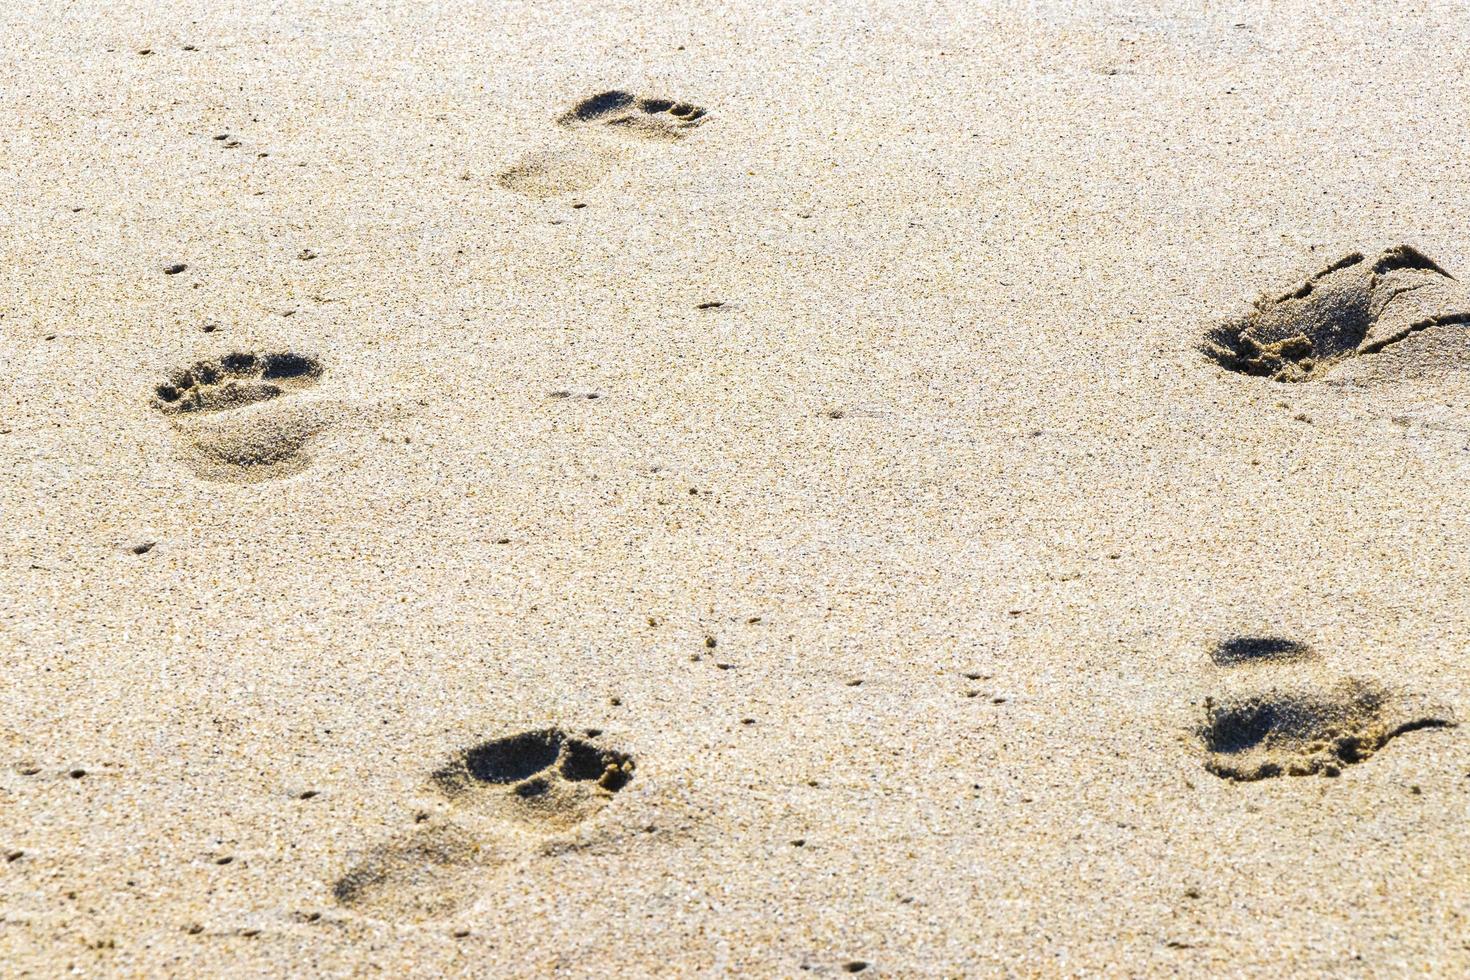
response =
{"points": [[1356, 308]]}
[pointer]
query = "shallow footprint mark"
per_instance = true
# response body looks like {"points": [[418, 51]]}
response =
{"points": [[427, 874], [1240, 651], [635, 115], [1303, 732]]}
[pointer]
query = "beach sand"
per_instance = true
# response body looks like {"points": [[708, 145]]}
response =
{"points": [[666, 489]]}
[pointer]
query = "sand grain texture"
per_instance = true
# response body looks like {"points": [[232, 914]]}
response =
{"points": [[825, 415]]}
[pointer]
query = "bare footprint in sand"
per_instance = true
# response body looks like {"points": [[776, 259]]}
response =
{"points": [[230, 422], [533, 783], [1360, 319], [1284, 725], [603, 131], [428, 874]]}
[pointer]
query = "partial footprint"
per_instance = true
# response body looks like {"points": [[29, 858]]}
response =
{"points": [[1300, 732], [535, 783], [604, 132], [426, 875], [1360, 318], [227, 419], [1280, 724], [547, 778], [650, 118]]}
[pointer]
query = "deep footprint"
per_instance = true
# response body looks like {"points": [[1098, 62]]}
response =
{"points": [[605, 131], [1355, 308], [544, 776], [548, 779], [222, 436], [1304, 732]]}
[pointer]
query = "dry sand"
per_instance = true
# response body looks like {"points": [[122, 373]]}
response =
{"points": [[856, 415]]}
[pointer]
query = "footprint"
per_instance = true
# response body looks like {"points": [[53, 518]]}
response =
{"points": [[1360, 318], [1295, 728], [536, 783], [428, 874], [545, 777], [229, 430], [1302, 732], [604, 131]]}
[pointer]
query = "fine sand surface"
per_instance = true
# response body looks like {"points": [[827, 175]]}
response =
{"points": [[513, 489]]}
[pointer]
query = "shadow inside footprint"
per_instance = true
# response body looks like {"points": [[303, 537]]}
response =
{"points": [[605, 128], [546, 776], [1304, 732], [1242, 650], [1355, 308], [227, 430]]}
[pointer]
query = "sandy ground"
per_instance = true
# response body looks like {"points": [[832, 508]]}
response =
{"points": [[941, 608]]}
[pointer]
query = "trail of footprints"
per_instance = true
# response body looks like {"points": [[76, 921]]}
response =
{"points": [[529, 785], [1281, 723], [1392, 314], [599, 133]]}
